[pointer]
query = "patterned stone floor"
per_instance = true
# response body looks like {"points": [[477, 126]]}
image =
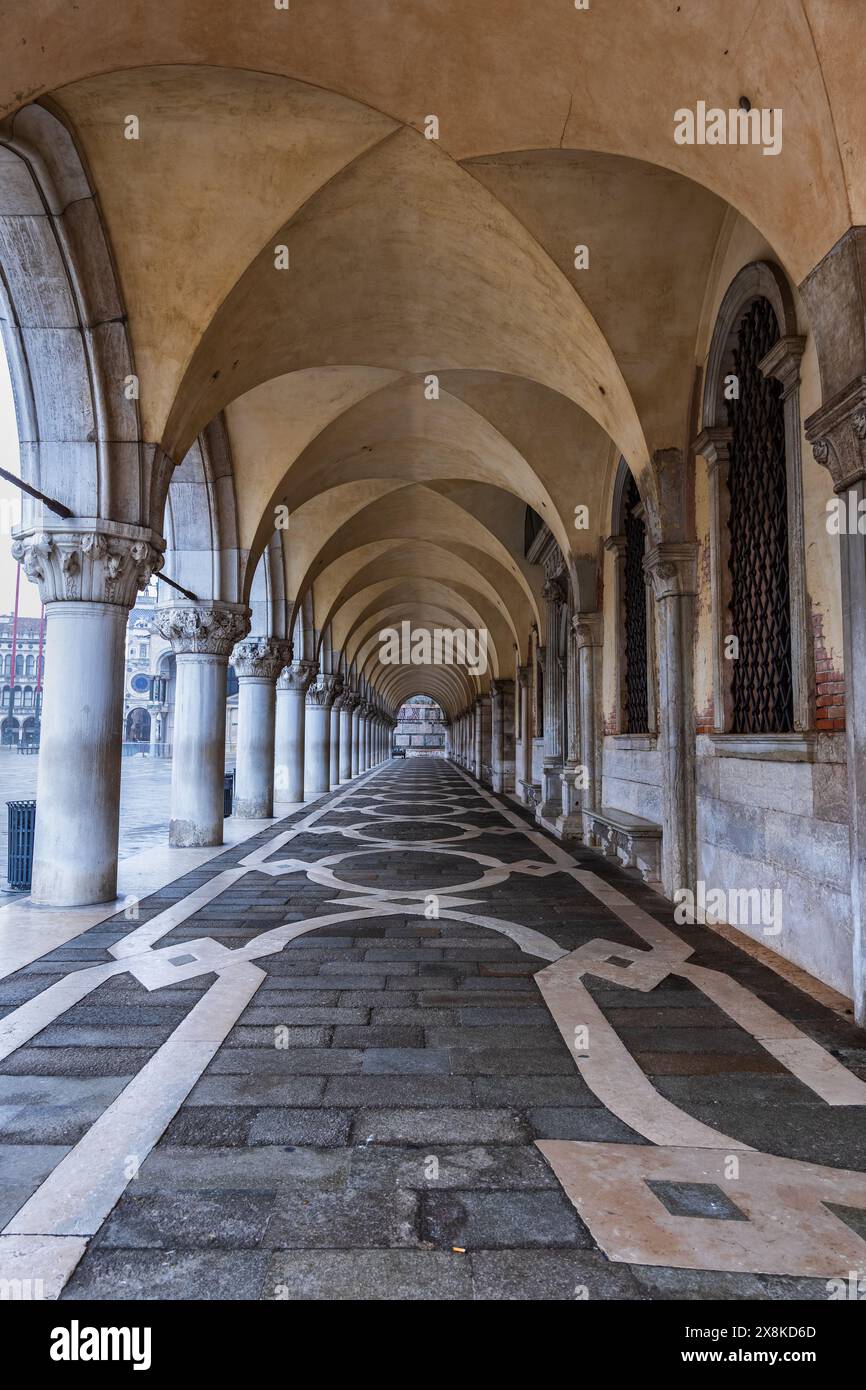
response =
{"points": [[320, 1066]]}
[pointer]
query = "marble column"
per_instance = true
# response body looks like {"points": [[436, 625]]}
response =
{"points": [[551, 803], [257, 662], [88, 573], [336, 708], [357, 726], [349, 701], [837, 433], [317, 755], [202, 637], [524, 771], [292, 686], [672, 568], [502, 735]]}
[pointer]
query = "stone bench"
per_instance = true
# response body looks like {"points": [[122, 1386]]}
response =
{"points": [[635, 842]]}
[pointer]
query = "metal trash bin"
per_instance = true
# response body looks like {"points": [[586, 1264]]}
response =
{"points": [[22, 828], [228, 793]]}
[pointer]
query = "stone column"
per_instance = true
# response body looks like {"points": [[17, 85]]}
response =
{"points": [[349, 701], [88, 573], [524, 772], [588, 632], [551, 803], [357, 727], [202, 637], [837, 433], [317, 756], [502, 735], [292, 686], [336, 707], [257, 662], [673, 570]]}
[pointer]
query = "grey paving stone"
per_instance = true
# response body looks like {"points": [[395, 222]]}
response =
{"points": [[524, 1092], [309, 1061], [277, 1035], [415, 1016], [201, 1220], [212, 1126], [206, 1275], [551, 1275], [120, 1035], [308, 1128], [366, 968], [273, 1014], [400, 1090], [501, 1220], [692, 1285], [22, 1168], [440, 1166], [511, 1062], [281, 1000], [257, 1090], [438, 1124], [534, 1015], [383, 1035], [75, 1061], [592, 1124], [393, 1275], [189, 1169], [487, 1038], [61, 1090], [345, 1220], [417, 1061]]}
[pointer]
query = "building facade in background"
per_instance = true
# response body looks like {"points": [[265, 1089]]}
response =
{"points": [[420, 728]]}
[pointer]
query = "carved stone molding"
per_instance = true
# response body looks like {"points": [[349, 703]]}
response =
{"points": [[524, 676], [297, 676], [837, 433], [260, 658], [202, 629], [350, 700], [672, 569], [89, 561]]}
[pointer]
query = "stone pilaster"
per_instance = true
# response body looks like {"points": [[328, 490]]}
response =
{"points": [[672, 569], [837, 433], [555, 594]]}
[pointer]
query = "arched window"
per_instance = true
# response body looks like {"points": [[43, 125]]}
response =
{"points": [[30, 666], [635, 704], [763, 651], [760, 603]]}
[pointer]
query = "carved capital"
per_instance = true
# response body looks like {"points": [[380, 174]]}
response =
{"points": [[350, 700], [837, 433], [260, 658], [587, 629], [201, 629], [524, 676], [672, 568], [324, 692], [297, 676], [89, 561], [555, 591]]}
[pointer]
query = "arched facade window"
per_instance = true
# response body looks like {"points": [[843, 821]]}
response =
{"points": [[635, 665], [763, 676], [30, 666]]}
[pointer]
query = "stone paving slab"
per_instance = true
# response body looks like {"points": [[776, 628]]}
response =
{"points": [[366, 1127]]}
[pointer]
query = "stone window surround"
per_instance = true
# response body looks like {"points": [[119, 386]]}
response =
{"points": [[764, 279]]}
